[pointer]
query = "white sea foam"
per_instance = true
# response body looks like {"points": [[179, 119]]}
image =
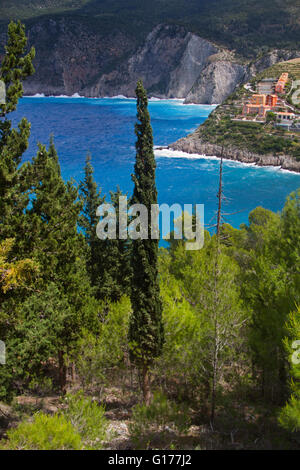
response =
{"points": [[42, 95], [120, 97], [75, 95], [165, 152], [37, 95], [202, 105], [289, 171]]}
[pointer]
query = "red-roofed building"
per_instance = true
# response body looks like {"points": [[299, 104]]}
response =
{"points": [[280, 85], [271, 100]]}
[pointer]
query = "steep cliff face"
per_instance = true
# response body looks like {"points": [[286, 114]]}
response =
{"points": [[192, 62], [217, 81], [70, 55], [74, 57], [169, 62]]}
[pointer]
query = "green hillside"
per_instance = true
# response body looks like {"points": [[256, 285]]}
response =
{"points": [[244, 25]]}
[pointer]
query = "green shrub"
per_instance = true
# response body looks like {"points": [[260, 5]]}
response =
{"points": [[289, 417], [88, 419], [161, 414], [44, 433], [97, 357]]}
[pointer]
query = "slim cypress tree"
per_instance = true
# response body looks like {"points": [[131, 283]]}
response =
{"points": [[146, 327]]}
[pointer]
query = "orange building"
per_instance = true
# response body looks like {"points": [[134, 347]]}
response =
{"points": [[257, 100], [271, 100], [280, 85], [250, 109], [261, 110]]}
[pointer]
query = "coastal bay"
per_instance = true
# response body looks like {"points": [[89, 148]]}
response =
{"points": [[104, 127]]}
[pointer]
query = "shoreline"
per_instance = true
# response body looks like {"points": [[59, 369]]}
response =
{"points": [[151, 99], [116, 97], [192, 145], [161, 152]]}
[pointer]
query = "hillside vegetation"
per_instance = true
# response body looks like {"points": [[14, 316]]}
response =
{"points": [[244, 25], [258, 137], [110, 342], [292, 67]]}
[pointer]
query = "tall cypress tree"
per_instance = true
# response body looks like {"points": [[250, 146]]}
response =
{"points": [[146, 334]]}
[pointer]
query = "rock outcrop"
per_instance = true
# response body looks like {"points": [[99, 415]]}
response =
{"points": [[194, 145], [173, 63], [170, 62], [271, 58], [217, 81], [75, 57]]}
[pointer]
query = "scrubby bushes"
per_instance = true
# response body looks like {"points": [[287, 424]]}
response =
{"points": [[161, 416], [81, 424], [44, 433], [87, 418]]}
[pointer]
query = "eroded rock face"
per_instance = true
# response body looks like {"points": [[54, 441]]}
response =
{"points": [[169, 63], [73, 58], [192, 63], [194, 145], [217, 81], [153, 62]]}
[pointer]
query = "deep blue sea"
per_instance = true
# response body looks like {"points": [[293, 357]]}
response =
{"points": [[105, 128]]}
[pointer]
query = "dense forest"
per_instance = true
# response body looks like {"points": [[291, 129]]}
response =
{"points": [[194, 349], [249, 26]]}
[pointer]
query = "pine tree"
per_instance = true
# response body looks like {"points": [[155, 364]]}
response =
{"points": [[146, 328], [54, 241], [15, 67], [108, 262], [91, 199], [290, 415], [270, 284]]}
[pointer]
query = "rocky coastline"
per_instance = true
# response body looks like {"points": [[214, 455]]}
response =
{"points": [[194, 145]]}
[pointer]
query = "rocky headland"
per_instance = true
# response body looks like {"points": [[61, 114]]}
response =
{"points": [[193, 145]]}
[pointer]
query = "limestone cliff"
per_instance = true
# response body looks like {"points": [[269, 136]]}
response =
{"points": [[169, 62], [218, 80], [75, 57]]}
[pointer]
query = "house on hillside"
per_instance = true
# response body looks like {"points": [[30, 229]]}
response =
{"points": [[254, 109], [258, 100], [266, 86], [286, 118], [280, 85], [272, 100]]}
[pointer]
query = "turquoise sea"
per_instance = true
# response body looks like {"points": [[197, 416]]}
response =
{"points": [[105, 128]]}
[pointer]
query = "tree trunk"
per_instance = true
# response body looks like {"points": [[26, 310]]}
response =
{"points": [[146, 385], [73, 372], [213, 396], [62, 370]]}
